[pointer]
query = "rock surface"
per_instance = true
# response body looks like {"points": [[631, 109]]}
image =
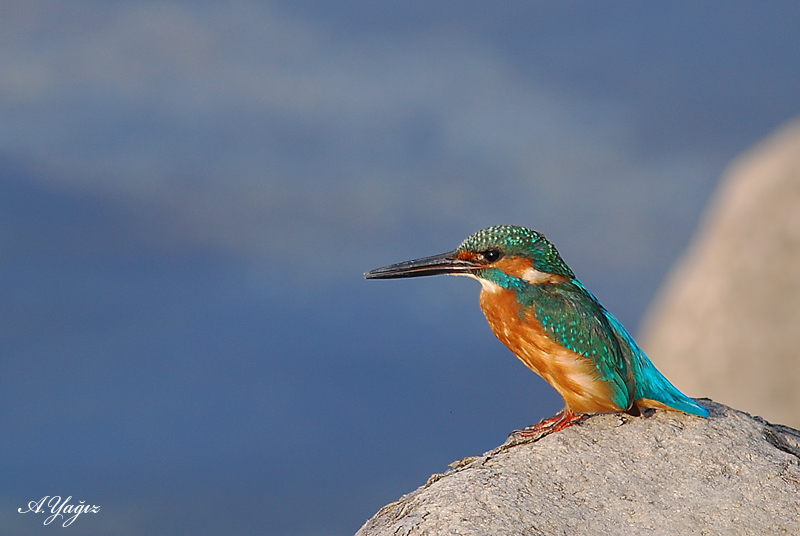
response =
{"points": [[726, 324], [667, 473]]}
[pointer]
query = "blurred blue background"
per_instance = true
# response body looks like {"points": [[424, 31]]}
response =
{"points": [[191, 191]]}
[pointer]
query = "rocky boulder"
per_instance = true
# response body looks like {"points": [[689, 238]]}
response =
{"points": [[664, 473]]}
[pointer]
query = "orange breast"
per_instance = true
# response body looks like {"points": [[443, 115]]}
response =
{"points": [[572, 375]]}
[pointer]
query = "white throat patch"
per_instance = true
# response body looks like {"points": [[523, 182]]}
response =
{"points": [[487, 286], [535, 277]]}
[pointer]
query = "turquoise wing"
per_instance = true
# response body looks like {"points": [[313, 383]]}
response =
{"points": [[572, 317]]}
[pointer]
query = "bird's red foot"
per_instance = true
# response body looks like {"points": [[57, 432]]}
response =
{"points": [[559, 421]]}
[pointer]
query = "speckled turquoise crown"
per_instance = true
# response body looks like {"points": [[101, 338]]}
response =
{"points": [[508, 237]]}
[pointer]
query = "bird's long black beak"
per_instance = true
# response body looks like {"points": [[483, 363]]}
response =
{"points": [[444, 263]]}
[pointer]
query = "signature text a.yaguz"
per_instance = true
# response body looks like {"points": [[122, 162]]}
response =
{"points": [[59, 509]]}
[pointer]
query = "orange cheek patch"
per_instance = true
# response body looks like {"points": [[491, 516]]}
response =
{"points": [[522, 268], [514, 266]]}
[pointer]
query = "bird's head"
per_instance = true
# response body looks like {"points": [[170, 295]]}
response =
{"points": [[503, 256]]}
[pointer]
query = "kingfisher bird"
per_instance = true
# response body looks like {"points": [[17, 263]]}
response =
{"points": [[538, 308]]}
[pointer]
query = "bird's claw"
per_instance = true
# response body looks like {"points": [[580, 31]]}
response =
{"points": [[559, 421]]}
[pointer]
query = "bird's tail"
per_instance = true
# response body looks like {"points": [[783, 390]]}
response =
{"points": [[652, 389]]}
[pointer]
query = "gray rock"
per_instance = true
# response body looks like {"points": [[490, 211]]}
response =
{"points": [[726, 323], [667, 473]]}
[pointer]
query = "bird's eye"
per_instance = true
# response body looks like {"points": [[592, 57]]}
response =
{"points": [[492, 255]]}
